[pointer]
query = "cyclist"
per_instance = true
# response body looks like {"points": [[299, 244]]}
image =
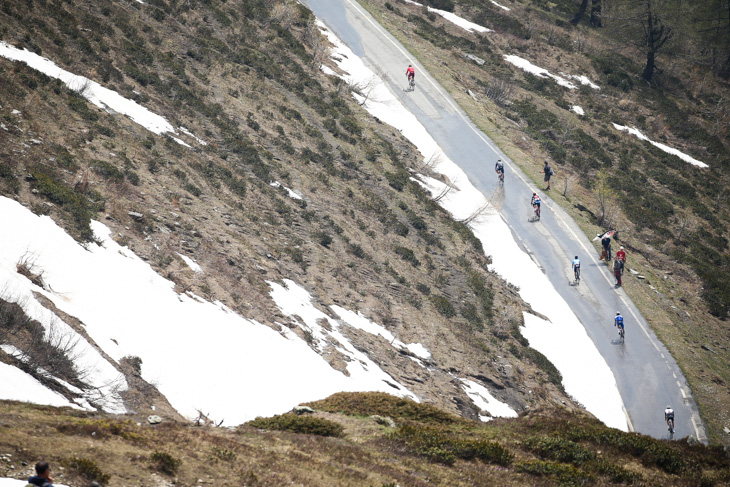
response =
{"points": [[669, 418], [499, 169], [576, 268], [619, 323], [535, 202], [411, 73]]}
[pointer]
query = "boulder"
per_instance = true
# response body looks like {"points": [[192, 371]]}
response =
{"points": [[302, 410], [383, 420], [154, 419]]}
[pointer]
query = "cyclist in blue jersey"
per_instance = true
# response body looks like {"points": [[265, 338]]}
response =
{"points": [[619, 323], [576, 268]]}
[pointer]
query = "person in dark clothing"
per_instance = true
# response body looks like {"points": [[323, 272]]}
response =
{"points": [[606, 242], [548, 172], [43, 475], [617, 272]]}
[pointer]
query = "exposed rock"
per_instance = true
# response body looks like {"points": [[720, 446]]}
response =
{"points": [[633, 272], [302, 410], [383, 420], [136, 216], [474, 58], [154, 419]]}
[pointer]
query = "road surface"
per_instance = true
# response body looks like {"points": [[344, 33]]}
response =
{"points": [[647, 376]]}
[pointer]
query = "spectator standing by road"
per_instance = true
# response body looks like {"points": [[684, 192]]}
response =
{"points": [[548, 172], [606, 242], [621, 257], [617, 271]]}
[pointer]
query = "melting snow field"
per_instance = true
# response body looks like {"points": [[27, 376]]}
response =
{"points": [[661, 146], [98, 95], [455, 19], [201, 355], [597, 391]]}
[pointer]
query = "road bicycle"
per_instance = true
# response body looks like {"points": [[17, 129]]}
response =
{"points": [[537, 211], [621, 333], [576, 271], [411, 83], [501, 177], [670, 423]]}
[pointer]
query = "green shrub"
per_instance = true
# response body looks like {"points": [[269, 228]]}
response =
{"points": [[7, 175], [324, 239], [407, 254], [87, 469], [443, 305], [75, 204], [165, 463], [107, 171], [382, 404], [442, 446], [566, 474], [559, 449], [307, 425], [397, 180]]}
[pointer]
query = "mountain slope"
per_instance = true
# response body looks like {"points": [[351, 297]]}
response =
{"points": [[247, 106], [667, 211]]}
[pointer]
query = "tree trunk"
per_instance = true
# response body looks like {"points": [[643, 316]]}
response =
{"points": [[579, 14], [596, 13], [649, 69]]}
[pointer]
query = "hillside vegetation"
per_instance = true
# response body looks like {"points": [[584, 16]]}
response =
{"points": [[341, 444], [671, 216], [244, 77]]}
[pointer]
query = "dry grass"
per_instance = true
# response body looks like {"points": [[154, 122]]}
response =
{"points": [[134, 453]]}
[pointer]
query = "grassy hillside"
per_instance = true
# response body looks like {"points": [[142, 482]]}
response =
{"points": [[341, 444], [244, 76], [670, 215]]}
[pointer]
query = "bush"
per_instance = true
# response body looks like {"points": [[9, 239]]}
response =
{"points": [[442, 446], [559, 449], [87, 469], [567, 474], [165, 463], [407, 254], [443, 306], [295, 423], [107, 171], [382, 404]]}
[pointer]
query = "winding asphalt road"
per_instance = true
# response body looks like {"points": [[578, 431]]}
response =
{"points": [[648, 378]]}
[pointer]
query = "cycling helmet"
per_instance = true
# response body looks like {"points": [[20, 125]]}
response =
{"points": [[622, 248], [534, 194], [576, 256], [618, 313]]}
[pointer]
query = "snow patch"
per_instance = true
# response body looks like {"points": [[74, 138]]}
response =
{"points": [[454, 19], [582, 79], [291, 193], [103, 98], [526, 65], [364, 374], [357, 320], [483, 399], [577, 109], [500, 6], [17, 385], [665, 148], [190, 262]]}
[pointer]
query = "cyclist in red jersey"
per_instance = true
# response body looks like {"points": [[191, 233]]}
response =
{"points": [[410, 73]]}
